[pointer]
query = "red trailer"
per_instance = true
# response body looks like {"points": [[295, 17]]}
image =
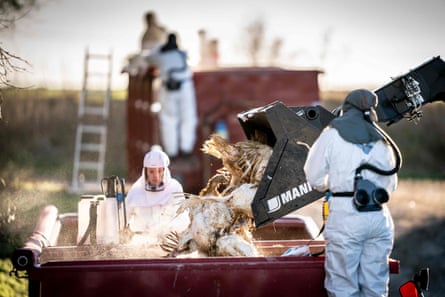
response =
{"points": [[56, 266]]}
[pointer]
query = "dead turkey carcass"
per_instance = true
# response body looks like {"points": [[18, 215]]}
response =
{"points": [[221, 218]]}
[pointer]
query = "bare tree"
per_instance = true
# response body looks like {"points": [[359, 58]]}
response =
{"points": [[275, 51], [10, 12], [258, 49], [326, 43], [255, 40], [9, 63]]}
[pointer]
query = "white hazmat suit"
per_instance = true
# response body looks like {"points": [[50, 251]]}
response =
{"points": [[178, 116], [358, 243], [152, 213]]}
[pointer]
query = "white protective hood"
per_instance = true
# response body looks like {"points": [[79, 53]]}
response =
{"points": [[139, 196]]}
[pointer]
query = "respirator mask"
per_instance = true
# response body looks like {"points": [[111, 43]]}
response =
{"points": [[367, 196], [152, 188]]}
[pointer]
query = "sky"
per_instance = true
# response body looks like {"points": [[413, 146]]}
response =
{"points": [[355, 43]]}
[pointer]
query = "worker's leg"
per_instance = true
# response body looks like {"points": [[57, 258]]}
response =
{"points": [[374, 267], [169, 121], [188, 117], [344, 236]]}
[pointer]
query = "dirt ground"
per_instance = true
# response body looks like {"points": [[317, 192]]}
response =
{"points": [[418, 210]]}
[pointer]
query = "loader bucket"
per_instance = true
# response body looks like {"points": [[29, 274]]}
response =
{"points": [[398, 99], [290, 131]]}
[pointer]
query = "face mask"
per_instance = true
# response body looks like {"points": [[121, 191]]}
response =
{"points": [[152, 188]]}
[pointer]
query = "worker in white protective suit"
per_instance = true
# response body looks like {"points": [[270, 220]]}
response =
{"points": [[154, 35], [153, 200], [359, 243], [178, 115]]}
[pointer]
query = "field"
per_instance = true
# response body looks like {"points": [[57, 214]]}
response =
{"points": [[36, 151]]}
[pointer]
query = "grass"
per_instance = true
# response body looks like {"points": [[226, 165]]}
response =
{"points": [[22, 200], [21, 204], [11, 286]]}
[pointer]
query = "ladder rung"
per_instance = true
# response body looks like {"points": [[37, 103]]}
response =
{"points": [[92, 147], [99, 129], [94, 110], [89, 165], [99, 56], [97, 73]]}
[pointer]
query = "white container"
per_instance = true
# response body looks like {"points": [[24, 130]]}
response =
{"points": [[83, 216], [107, 221]]}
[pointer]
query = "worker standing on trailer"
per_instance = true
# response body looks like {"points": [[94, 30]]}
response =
{"points": [[154, 35], [359, 239], [178, 115], [151, 201]]}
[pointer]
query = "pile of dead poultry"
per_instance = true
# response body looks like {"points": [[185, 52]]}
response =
{"points": [[221, 219]]}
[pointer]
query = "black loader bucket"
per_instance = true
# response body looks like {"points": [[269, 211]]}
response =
{"points": [[405, 95], [290, 131]]}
